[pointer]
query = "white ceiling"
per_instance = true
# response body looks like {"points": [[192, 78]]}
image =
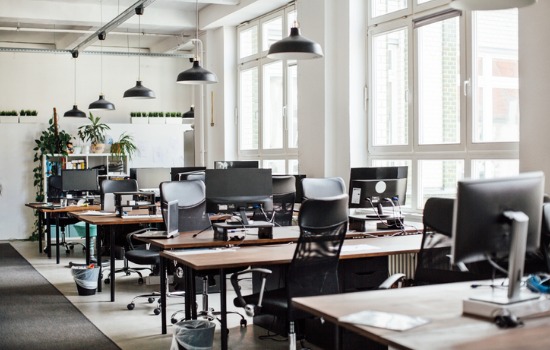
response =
{"points": [[166, 25]]}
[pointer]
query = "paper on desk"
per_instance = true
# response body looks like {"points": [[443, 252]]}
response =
{"points": [[204, 251], [379, 319], [358, 248], [96, 213]]}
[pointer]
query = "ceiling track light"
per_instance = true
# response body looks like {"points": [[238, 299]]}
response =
{"points": [[139, 91], [197, 75]]}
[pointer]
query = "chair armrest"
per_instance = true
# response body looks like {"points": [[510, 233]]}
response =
{"points": [[390, 281], [137, 232], [235, 283]]}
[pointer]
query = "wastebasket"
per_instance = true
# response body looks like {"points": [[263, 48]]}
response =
{"points": [[193, 335], [85, 278]]}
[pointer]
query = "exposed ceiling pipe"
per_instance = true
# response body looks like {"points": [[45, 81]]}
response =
{"points": [[112, 53], [81, 31], [114, 23]]}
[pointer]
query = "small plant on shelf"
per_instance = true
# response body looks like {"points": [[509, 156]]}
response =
{"points": [[94, 132]]}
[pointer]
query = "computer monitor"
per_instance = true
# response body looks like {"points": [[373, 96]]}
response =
{"points": [[385, 182], [150, 178], [79, 180], [495, 218], [180, 173], [238, 190], [222, 164]]}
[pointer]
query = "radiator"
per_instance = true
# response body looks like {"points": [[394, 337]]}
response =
{"points": [[402, 263]]}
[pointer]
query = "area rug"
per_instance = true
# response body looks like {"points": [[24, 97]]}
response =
{"points": [[35, 315]]}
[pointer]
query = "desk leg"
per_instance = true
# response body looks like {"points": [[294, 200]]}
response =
{"points": [[88, 254], [99, 250], [163, 291], [40, 231], [223, 302], [57, 239], [112, 249], [49, 236]]}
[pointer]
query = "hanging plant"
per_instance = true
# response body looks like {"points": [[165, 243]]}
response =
{"points": [[51, 141]]}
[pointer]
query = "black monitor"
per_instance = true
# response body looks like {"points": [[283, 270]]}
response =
{"points": [[495, 218], [150, 178], [180, 173], [238, 190], [222, 164], [371, 187], [79, 180]]}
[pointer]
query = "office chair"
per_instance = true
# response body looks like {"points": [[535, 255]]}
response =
{"points": [[284, 196], [127, 185], [323, 187], [313, 269], [55, 192], [191, 196], [197, 176]]}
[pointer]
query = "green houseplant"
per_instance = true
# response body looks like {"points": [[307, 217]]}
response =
{"points": [[95, 133], [124, 146]]}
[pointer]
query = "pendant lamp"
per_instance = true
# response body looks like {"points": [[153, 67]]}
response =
{"points": [[75, 112], [196, 74], [487, 5], [190, 113], [101, 103], [139, 91], [295, 47]]}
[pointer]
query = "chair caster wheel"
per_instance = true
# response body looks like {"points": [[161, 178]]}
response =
{"points": [[131, 306], [72, 247], [174, 321], [243, 323], [107, 281], [157, 311], [151, 300], [67, 252], [140, 280]]}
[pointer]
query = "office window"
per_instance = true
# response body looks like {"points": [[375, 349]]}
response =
{"points": [[443, 95], [267, 111]]}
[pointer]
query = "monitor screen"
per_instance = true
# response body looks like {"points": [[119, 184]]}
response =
{"points": [[222, 164], [180, 173], [379, 173], [498, 218], [234, 190], [79, 180], [150, 178]]}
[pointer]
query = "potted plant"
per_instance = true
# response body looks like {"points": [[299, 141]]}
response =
{"points": [[124, 146], [95, 133], [139, 118]]}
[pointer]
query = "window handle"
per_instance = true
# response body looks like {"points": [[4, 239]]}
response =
{"points": [[466, 87]]}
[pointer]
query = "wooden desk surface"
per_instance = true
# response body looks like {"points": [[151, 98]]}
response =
{"points": [[68, 209], [114, 220], [282, 253], [442, 304]]}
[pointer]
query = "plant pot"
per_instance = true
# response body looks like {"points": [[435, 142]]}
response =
{"points": [[28, 120], [77, 149], [139, 120], [9, 119], [97, 148], [157, 120], [86, 149], [173, 120]]}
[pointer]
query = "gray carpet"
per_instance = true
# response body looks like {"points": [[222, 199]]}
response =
{"points": [[35, 315]]}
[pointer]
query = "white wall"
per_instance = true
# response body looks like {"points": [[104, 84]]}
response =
{"points": [[534, 81]]}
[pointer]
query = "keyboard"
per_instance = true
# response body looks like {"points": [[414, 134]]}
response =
{"points": [[141, 216]]}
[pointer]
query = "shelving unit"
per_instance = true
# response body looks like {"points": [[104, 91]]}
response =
{"points": [[115, 168]]}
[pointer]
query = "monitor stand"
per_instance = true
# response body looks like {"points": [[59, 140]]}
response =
{"points": [[244, 219], [524, 302]]}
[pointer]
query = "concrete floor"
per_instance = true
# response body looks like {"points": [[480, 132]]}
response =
{"points": [[139, 328]]}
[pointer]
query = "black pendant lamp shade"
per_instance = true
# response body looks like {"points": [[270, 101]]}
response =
{"points": [[197, 75], [139, 91], [75, 113], [102, 103], [190, 113], [295, 47]]}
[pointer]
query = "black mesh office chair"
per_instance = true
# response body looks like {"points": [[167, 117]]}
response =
{"points": [[54, 194], [127, 185], [284, 196], [313, 270], [323, 187], [545, 236], [191, 197]]}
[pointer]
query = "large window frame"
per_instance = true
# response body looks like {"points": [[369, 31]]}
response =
{"points": [[465, 150], [284, 152]]}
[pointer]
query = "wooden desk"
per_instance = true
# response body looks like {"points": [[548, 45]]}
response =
{"points": [[50, 211], [442, 304], [110, 221], [274, 255]]}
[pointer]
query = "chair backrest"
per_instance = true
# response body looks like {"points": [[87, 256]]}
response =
{"points": [[191, 197], [545, 235], [323, 224], [111, 186], [434, 258], [54, 188], [284, 195], [198, 176], [323, 187]]}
